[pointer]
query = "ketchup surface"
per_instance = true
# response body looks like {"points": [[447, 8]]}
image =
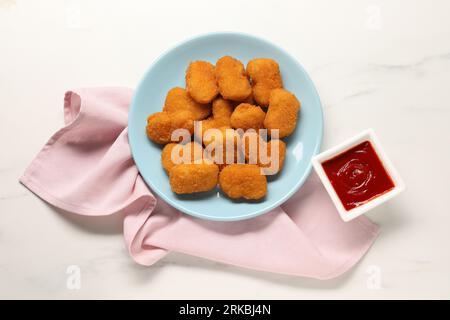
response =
{"points": [[357, 175]]}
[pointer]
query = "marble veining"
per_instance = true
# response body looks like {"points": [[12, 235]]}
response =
{"points": [[379, 64]]}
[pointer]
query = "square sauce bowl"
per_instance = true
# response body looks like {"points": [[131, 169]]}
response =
{"points": [[358, 175]]}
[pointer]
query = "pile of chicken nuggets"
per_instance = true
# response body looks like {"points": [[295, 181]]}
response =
{"points": [[232, 99]]}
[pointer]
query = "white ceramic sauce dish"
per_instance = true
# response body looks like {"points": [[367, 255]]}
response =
{"points": [[367, 135]]}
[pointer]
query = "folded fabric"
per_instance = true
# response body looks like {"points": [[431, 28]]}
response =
{"points": [[87, 168]]}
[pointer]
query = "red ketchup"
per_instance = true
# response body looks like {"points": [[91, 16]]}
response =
{"points": [[357, 175]]}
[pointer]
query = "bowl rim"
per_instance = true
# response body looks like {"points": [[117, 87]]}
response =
{"points": [[256, 212]]}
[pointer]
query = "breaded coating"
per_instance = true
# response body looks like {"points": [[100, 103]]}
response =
{"points": [[265, 75], [250, 99], [277, 167], [178, 99], [251, 145], [225, 142], [258, 151], [166, 156], [160, 125], [186, 153], [201, 83], [222, 110], [221, 113], [232, 79], [243, 181], [282, 113], [224, 133], [195, 177], [247, 116], [223, 163]]}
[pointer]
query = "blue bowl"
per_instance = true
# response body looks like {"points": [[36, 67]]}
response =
{"points": [[168, 71]]}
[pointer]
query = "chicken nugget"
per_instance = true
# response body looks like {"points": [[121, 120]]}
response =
{"points": [[275, 161], [178, 99], [232, 79], [282, 113], [173, 154], [195, 177], [259, 151], [223, 162], [201, 83], [222, 146], [166, 156], [247, 116], [222, 136], [250, 99], [161, 125], [243, 181], [222, 110], [221, 113], [265, 75]]}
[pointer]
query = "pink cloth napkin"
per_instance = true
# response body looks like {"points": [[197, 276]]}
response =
{"points": [[86, 168]]}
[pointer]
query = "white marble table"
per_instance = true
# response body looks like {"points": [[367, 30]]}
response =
{"points": [[379, 64]]}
